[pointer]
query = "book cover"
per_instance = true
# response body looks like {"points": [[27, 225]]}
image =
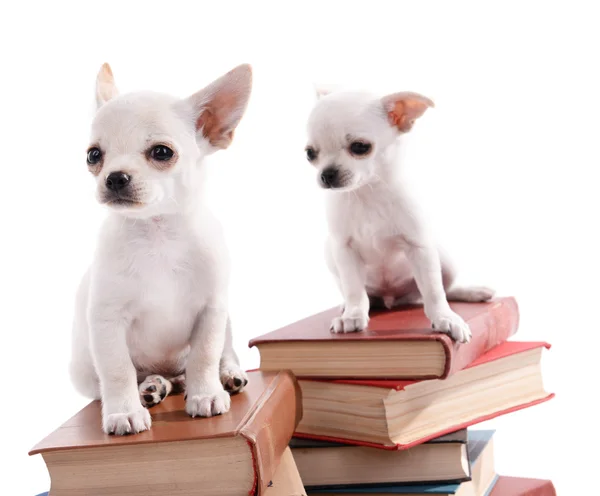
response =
{"points": [[502, 351], [263, 417], [491, 323], [519, 486], [478, 440], [459, 436]]}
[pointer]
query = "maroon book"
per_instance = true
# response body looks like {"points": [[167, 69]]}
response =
{"points": [[518, 486], [398, 344]]}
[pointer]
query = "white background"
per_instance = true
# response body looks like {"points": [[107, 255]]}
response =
{"points": [[506, 165]]}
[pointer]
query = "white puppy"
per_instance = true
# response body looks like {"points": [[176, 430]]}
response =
{"points": [[154, 300], [378, 248]]}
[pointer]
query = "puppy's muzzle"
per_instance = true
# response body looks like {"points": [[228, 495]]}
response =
{"points": [[330, 177], [116, 181]]}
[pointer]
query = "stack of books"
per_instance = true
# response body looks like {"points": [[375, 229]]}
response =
{"points": [[386, 411], [380, 412]]}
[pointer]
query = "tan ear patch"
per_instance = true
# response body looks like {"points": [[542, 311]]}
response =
{"points": [[403, 109], [210, 123], [221, 105]]}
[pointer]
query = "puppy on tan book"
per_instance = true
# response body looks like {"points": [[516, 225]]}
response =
{"points": [[154, 303], [228, 455], [378, 247]]}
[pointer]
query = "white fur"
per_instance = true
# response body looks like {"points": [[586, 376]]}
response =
{"points": [[378, 246], [155, 299]]}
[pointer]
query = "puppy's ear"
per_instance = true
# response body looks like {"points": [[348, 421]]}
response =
{"points": [[322, 90], [218, 108], [402, 109], [105, 85]]}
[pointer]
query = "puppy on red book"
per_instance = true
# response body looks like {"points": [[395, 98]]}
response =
{"points": [[399, 344], [378, 244]]}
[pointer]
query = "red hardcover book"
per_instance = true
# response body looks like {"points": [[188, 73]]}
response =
{"points": [[402, 414], [403, 342], [518, 486]]}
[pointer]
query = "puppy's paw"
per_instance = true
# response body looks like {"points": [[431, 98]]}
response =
{"points": [[132, 422], [454, 325], [153, 390], [208, 404], [233, 378], [352, 320]]}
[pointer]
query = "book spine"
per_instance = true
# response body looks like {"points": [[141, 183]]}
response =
{"points": [[490, 328], [271, 426]]}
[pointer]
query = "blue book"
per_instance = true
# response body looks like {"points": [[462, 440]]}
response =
{"points": [[480, 448]]}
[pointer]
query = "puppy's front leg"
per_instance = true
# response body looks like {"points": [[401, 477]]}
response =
{"points": [[427, 271], [233, 378], [351, 275], [205, 394], [122, 411]]}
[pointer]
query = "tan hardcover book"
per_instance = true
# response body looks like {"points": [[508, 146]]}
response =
{"points": [[230, 455], [403, 414], [287, 481]]}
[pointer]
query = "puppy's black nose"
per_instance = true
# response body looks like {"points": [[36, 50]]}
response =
{"points": [[329, 176], [117, 181]]}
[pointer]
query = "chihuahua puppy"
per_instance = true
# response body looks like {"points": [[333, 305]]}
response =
{"points": [[154, 301], [378, 248]]}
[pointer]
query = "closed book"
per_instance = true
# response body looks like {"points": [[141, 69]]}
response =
{"points": [[398, 344], [324, 464], [402, 414], [519, 486], [179, 454], [483, 476]]}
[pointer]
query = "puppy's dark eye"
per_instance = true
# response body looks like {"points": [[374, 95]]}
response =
{"points": [[161, 153], [311, 154], [360, 148], [94, 155]]}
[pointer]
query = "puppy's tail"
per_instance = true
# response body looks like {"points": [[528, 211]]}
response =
{"points": [[473, 294]]}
